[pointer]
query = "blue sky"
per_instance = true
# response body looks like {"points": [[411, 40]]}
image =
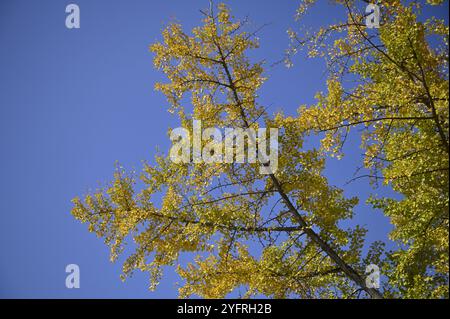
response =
{"points": [[72, 102]]}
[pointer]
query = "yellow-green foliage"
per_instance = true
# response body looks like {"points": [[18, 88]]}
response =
{"points": [[217, 210], [234, 221], [400, 98]]}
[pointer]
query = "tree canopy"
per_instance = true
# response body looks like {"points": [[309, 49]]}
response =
{"points": [[281, 234], [398, 93]]}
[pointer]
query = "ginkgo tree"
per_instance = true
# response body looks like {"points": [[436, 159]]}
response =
{"points": [[281, 234], [392, 83]]}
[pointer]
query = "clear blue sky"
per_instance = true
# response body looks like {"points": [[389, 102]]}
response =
{"points": [[72, 102]]}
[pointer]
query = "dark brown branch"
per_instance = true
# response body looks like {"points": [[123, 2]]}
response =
{"points": [[343, 266]]}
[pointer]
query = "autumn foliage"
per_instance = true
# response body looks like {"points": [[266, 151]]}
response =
{"points": [[281, 234]]}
